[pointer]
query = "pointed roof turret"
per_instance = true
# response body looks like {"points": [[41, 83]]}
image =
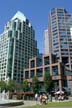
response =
{"points": [[19, 15]]}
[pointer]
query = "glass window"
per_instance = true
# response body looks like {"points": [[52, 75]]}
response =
{"points": [[68, 83], [10, 33], [32, 73], [62, 33], [39, 62], [46, 60], [32, 64], [47, 70], [53, 11], [26, 74], [55, 70], [39, 72], [14, 25], [19, 26], [56, 84], [64, 83], [55, 43], [16, 34], [60, 14]]}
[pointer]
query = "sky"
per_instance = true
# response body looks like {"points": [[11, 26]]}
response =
{"points": [[36, 11]]}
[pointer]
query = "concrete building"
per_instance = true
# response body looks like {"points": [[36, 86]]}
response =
{"points": [[57, 58], [60, 36], [17, 45], [46, 42], [42, 64]]}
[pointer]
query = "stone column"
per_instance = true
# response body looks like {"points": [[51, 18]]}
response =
{"points": [[60, 84], [71, 87]]}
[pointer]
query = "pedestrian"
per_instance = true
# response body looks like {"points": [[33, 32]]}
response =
{"points": [[40, 99], [36, 97]]}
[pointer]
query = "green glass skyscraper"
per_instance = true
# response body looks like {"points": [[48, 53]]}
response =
{"points": [[17, 45]]}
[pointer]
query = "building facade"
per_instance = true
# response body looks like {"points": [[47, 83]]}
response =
{"points": [[46, 42], [57, 58], [42, 64], [59, 33], [17, 45]]}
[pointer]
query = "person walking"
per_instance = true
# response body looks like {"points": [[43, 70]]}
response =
{"points": [[36, 97]]}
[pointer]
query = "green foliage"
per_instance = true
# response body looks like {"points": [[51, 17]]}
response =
{"points": [[25, 86], [19, 96], [3, 85], [35, 84], [11, 86], [47, 81], [18, 87]]}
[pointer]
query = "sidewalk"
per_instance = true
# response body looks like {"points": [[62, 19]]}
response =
{"points": [[31, 103], [26, 103]]}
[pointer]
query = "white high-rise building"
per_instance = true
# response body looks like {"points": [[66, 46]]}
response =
{"points": [[17, 45]]}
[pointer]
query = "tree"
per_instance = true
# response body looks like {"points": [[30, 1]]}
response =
{"points": [[18, 87], [35, 84], [47, 81], [25, 86], [2, 85], [11, 85]]}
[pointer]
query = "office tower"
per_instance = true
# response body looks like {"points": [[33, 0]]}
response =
{"points": [[60, 39], [17, 45]]}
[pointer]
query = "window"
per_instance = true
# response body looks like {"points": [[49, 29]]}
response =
{"points": [[10, 33], [16, 34], [32, 72], [46, 60], [52, 11], [32, 64], [55, 70], [47, 70], [60, 14], [56, 84], [62, 33], [14, 25], [19, 26], [39, 62], [39, 72], [26, 74]]}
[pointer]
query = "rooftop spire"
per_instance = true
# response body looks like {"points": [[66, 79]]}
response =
{"points": [[19, 15]]}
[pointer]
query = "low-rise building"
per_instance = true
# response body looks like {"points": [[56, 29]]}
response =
{"points": [[38, 66], [42, 64]]}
